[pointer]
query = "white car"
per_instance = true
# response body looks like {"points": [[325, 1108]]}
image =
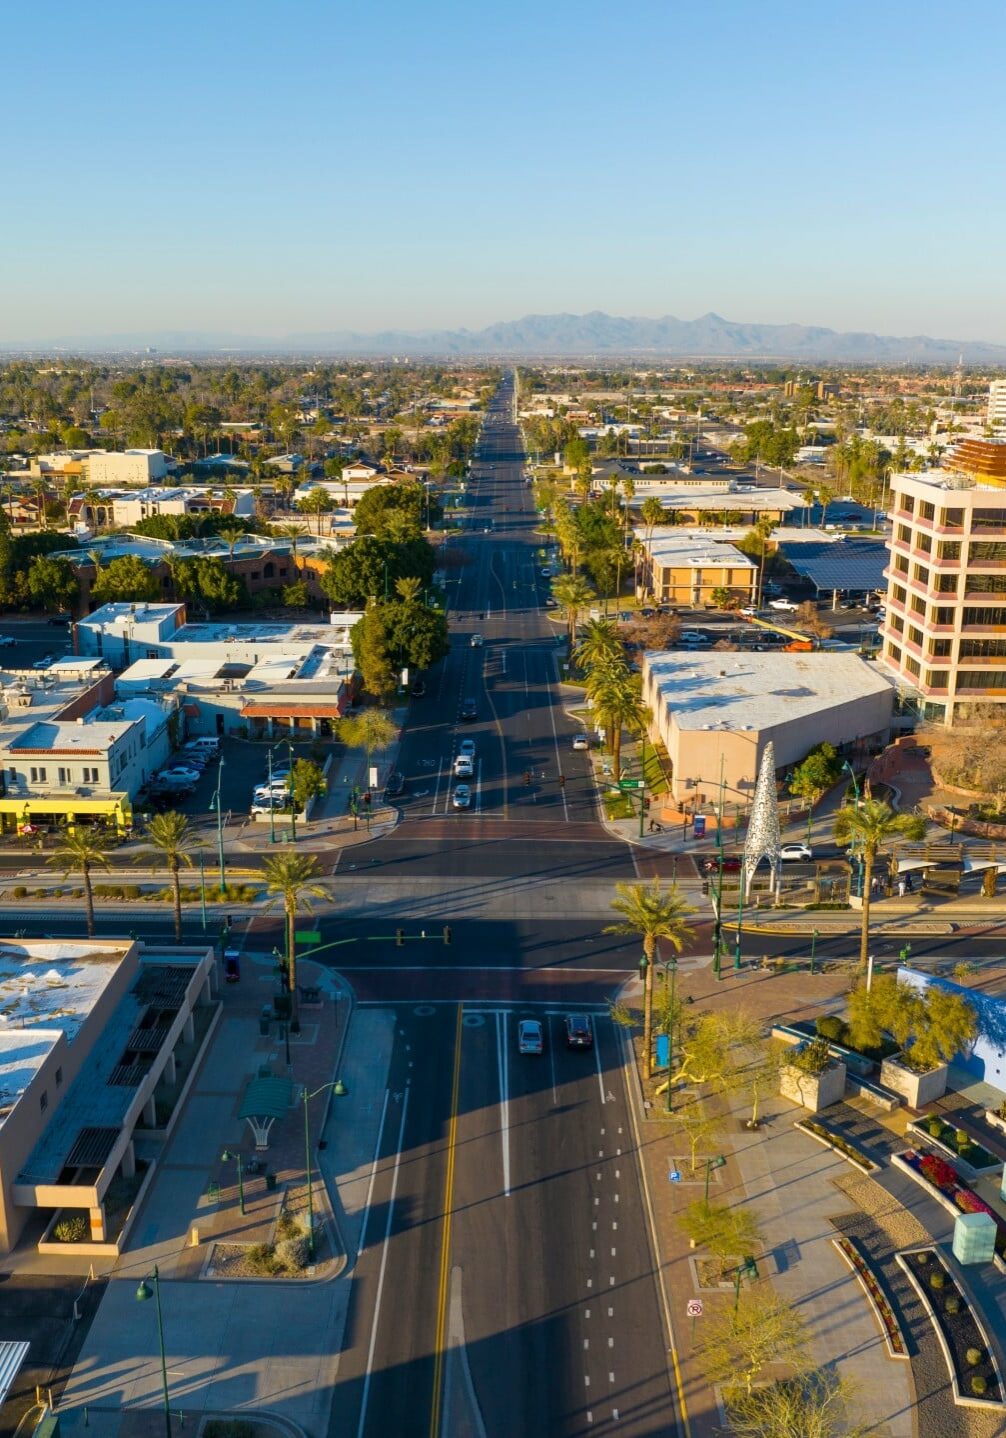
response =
{"points": [[44, 663], [750, 610], [463, 767], [476, 641], [466, 749], [7, 641], [785, 606], [462, 796], [178, 773], [800, 853], [581, 741]]}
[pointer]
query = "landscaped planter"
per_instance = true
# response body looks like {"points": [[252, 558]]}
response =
{"points": [[837, 1144], [917, 1089], [960, 1333], [981, 1161], [877, 1299], [813, 1091], [995, 1120]]}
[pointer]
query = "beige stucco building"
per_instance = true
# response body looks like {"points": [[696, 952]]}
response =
{"points": [[88, 1040], [684, 569], [715, 711]]}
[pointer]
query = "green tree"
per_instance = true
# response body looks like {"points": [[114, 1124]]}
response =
{"points": [[294, 533], [172, 836], [868, 827], [812, 778], [600, 646], [307, 781], [737, 1347], [728, 1233], [293, 880], [368, 569], [395, 510], [931, 1026], [232, 537], [572, 594], [295, 596], [316, 502], [52, 583], [652, 913], [369, 730], [615, 696], [80, 852], [123, 580], [371, 642], [652, 513]]}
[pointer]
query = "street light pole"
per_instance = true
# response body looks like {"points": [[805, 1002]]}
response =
{"points": [[143, 1293], [747, 1269], [225, 1157], [220, 830], [293, 802], [671, 969], [272, 809], [813, 948], [339, 1088]]}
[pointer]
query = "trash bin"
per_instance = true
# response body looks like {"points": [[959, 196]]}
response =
{"points": [[270, 1180], [265, 1020]]}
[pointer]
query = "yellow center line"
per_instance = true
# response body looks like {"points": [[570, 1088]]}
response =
{"points": [[445, 1252]]}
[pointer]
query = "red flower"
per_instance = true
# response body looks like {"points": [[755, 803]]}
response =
{"points": [[938, 1171]]}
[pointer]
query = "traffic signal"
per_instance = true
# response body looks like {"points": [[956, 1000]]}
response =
{"points": [[399, 937], [366, 798], [447, 935], [562, 781]]}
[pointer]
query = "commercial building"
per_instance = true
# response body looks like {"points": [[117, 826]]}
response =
{"points": [[132, 466], [715, 711], [944, 634], [996, 413], [91, 1033], [253, 679], [678, 568], [737, 503]]}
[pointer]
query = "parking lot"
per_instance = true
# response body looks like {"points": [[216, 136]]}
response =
{"points": [[245, 764]]}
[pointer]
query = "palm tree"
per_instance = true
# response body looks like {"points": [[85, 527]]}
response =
{"points": [[293, 879], [652, 514], [573, 594], [868, 826], [231, 536], [81, 851], [600, 645], [654, 914], [172, 836], [617, 705], [408, 588], [294, 533]]}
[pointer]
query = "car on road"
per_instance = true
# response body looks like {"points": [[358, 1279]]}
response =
{"points": [[418, 689], [581, 741], [476, 641], [463, 767], [530, 1037], [44, 662], [545, 572], [395, 786], [467, 748], [60, 621], [750, 610], [579, 1034], [462, 796], [710, 863], [798, 853], [7, 641], [469, 711], [783, 606]]}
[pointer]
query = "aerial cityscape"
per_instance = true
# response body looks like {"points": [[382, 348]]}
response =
{"points": [[502, 723]]}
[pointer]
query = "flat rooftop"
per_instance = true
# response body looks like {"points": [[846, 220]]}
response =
{"points": [[722, 689], [690, 549], [297, 635], [47, 988], [49, 736]]}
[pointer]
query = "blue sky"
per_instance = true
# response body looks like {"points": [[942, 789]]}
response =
{"points": [[264, 168]]}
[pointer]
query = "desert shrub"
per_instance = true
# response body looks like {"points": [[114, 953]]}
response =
{"points": [[293, 1253], [19, 891], [937, 1279], [973, 1357], [132, 891], [935, 1127], [813, 1058], [261, 1258], [72, 1229], [953, 1304], [978, 1385], [923, 1258], [832, 1028], [961, 1139]]}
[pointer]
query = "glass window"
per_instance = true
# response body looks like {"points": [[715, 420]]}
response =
{"points": [[920, 574], [981, 679], [915, 635], [924, 542], [949, 549], [913, 667], [951, 518], [941, 616], [939, 648], [946, 584], [927, 510], [937, 678]]}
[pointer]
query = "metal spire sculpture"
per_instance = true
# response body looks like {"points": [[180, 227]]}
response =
{"points": [[763, 841]]}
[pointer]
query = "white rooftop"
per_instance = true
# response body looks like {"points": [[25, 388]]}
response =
{"points": [[50, 736], [670, 547], [47, 987], [723, 689], [759, 497]]}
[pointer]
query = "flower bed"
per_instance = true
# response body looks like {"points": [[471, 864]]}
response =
{"points": [[974, 1373], [834, 1141], [956, 1143], [877, 1298], [949, 1188]]}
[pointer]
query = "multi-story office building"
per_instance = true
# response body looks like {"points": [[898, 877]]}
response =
{"points": [[996, 416], [944, 635]]}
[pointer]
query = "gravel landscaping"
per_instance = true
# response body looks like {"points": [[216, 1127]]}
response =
{"points": [[963, 1336]]}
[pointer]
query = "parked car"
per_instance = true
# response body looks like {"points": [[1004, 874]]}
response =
{"points": [[579, 1034], [581, 741], [462, 796], [530, 1037], [394, 786], [800, 853], [181, 772], [44, 662], [7, 641], [785, 606]]}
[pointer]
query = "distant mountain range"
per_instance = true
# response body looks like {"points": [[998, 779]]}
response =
{"points": [[594, 335]]}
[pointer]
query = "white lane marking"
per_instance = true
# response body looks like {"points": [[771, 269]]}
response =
{"points": [[614, 1224], [611, 1283], [614, 1414], [586, 1312], [592, 1253], [600, 1076], [384, 1265], [590, 1416], [611, 1343], [436, 792], [611, 1313], [618, 1173], [586, 1343], [612, 1253], [503, 1067], [590, 1283], [611, 1377], [616, 1197], [600, 1153], [586, 1380], [373, 1175]]}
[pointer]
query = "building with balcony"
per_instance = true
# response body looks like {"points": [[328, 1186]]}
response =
{"points": [[996, 413], [944, 634], [680, 569], [94, 1037]]}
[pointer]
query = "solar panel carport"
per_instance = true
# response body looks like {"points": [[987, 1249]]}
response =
{"points": [[838, 564]]}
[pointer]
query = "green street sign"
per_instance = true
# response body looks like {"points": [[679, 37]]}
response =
{"points": [[630, 783], [308, 936]]}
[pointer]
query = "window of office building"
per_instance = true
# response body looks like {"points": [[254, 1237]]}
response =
{"points": [[900, 564], [904, 533], [941, 615], [907, 503], [946, 584], [899, 593], [951, 518], [893, 652], [948, 549], [983, 648], [984, 615], [39, 776], [920, 574], [981, 679], [918, 604], [987, 551], [985, 519], [915, 635], [939, 648], [924, 542], [913, 667], [986, 583], [897, 623], [927, 510], [937, 678]]}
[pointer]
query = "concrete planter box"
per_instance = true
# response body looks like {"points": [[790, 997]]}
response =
{"points": [[813, 1091], [994, 1121], [916, 1089]]}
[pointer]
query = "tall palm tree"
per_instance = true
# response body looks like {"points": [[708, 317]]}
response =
{"points": [[172, 836], [652, 514], [573, 594], [294, 533], [868, 826], [231, 536], [292, 878], [653, 913], [617, 705], [600, 645], [408, 587], [79, 853]]}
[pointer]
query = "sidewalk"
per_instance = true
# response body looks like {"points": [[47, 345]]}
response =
{"points": [[791, 1185], [250, 1344]]}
